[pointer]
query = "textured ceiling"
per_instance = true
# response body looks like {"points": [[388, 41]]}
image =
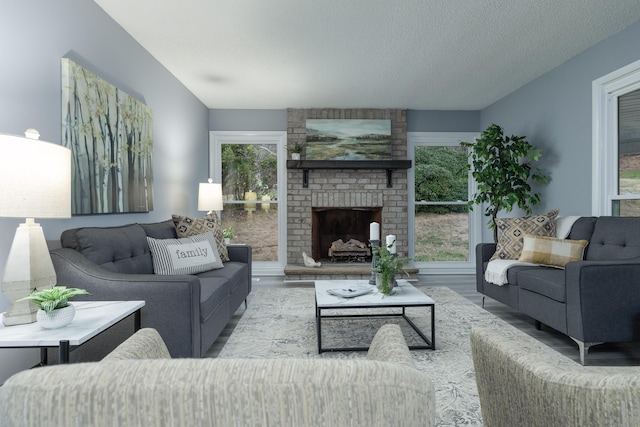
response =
{"points": [[416, 54]]}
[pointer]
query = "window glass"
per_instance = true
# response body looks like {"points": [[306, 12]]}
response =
{"points": [[629, 143], [441, 192], [249, 187]]}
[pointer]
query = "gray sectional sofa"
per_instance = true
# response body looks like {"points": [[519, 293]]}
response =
{"points": [[592, 301], [115, 263]]}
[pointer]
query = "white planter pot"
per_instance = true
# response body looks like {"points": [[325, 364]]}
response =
{"points": [[227, 241], [295, 156], [57, 318]]}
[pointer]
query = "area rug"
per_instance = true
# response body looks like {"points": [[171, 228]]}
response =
{"points": [[280, 323]]}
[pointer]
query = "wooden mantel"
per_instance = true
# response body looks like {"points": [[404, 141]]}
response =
{"points": [[388, 165]]}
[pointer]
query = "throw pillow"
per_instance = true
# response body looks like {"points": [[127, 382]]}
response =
{"points": [[189, 255], [187, 227], [512, 230], [550, 251]]}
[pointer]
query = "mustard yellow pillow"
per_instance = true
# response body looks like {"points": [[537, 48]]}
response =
{"points": [[550, 251]]}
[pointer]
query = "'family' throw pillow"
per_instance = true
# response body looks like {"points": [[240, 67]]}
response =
{"points": [[187, 227], [189, 255]]}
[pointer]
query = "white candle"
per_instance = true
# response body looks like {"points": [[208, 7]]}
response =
{"points": [[391, 243], [374, 231]]}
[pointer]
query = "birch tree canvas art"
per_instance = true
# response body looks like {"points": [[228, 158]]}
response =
{"points": [[110, 136]]}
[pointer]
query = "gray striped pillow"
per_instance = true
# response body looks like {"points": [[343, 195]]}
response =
{"points": [[189, 255]]}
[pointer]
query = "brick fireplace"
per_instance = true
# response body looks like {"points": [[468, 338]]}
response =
{"points": [[344, 189]]}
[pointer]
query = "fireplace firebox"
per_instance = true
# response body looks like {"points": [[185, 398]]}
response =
{"points": [[331, 224]]}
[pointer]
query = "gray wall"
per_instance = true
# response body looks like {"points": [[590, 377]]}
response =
{"points": [[276, 120], [34, 36], [554, 112], [443, 121]]}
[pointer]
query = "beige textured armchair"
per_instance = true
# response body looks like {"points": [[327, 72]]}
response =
{"points": [[138, 385], [522, 382]]}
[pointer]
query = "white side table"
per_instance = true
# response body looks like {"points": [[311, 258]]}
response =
{"points": [[92, 318]]}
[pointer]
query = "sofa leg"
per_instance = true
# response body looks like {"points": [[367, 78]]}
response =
{"points": [[245, 304], [482, 301], [583, 348], [538, 325]]}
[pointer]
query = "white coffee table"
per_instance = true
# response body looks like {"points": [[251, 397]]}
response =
{"points": [[405, 295], [91, 318]]}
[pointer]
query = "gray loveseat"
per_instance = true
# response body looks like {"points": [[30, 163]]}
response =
{"points": [[189, 311], [592, 301]]}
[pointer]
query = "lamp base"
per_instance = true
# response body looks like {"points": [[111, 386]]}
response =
{"points": [[28, 267]]}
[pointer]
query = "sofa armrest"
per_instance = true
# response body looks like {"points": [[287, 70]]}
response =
{"points": [[172, 303], [242, 253], [484, 252], [603, 300], [144, 344], [388, 345], [225, 392], [239, 253], [524, 382]]}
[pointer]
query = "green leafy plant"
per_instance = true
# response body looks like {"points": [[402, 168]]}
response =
{"points": [[53, 298], [387, 265], [227, 233], [502, 167], [297, 147]]}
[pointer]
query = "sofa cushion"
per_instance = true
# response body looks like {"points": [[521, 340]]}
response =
{"points": [[544, 281], [550, 251], [187, 226], [512, 230], [213, 292], [121, 249], [615, 238], [190, 255], [160, 230], [235, 273]]}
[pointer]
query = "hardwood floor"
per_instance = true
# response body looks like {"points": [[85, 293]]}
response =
{"points": [[611, 354]]}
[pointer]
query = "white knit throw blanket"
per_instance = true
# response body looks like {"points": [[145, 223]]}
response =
{"points": [[496, 271]]}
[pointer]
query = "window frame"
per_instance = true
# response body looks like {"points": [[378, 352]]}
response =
{"points": [[216, 140], [432, 139], [605, 93]]}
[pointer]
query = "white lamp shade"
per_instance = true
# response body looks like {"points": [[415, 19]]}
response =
{"points": [[210, 197], [36, 178]]}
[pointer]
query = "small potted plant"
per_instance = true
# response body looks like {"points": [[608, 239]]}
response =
{"points": [[296, 149], [54, 309], [227, 233], [387, 265]]}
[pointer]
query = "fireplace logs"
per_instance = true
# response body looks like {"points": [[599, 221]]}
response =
{"points": [[351, 251]]}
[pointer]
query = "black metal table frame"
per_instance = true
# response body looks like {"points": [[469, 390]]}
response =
{"points": [[65, 348], [430, 343]]}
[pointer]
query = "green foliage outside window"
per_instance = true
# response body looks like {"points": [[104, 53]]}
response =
{"points": [[440, 176]]}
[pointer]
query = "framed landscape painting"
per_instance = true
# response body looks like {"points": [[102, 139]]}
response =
{"points": [[343, 139], [109, 134]]}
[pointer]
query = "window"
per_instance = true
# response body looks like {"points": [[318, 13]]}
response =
{"points": [[250, 168], [616, 143], [443, 233]]}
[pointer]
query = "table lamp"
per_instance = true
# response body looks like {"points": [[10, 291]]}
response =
{"points": [[210, 197], [36, 183]]}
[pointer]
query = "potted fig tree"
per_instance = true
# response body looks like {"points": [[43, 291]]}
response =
{"points": [[503, 168]]}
